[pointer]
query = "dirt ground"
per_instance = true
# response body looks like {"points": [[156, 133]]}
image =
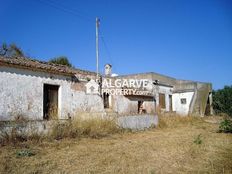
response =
{"points": [[193, 147]]}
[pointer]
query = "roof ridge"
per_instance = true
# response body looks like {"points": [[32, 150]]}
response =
{"points": [[39, 64]]}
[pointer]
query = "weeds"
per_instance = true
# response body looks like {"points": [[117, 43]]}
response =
{"points": [[17, 132], [198, 139], [170, 150], [24, 153], [225, 126], [174, 120], [93, 128]]}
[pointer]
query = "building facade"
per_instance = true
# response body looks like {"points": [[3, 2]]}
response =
{"points": [[41, 91]]}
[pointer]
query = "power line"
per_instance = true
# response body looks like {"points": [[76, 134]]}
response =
{"points": [[79, 14], [66, 10], [107, 50]]}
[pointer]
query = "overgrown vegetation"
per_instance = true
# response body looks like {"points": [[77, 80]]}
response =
{"points": [[225, 126], [179, 145], [198, 139], [93, 128], [173, 120], [62, 60], [222, 101], [16, 132], [24, 153]]}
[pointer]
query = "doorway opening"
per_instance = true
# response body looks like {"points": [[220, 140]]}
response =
{"points": [[170, 103], [106, 100], [141, 110], [162, 102], [50, 100], [207, 108]]}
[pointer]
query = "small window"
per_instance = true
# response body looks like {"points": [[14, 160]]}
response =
{"points": [[183, 101]]}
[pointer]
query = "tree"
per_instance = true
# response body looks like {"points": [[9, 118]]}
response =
{"points": [[222, 100], [62, 60], [11, 50]]}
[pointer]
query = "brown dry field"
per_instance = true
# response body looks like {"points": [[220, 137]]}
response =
{"points": [[167, 149]]}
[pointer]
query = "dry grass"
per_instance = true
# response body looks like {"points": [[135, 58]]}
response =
{"points": [[168, 149], [14, 132], [92, 128], [77, 128], [170, 120]]}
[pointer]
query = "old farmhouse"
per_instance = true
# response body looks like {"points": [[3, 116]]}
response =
{"points": [[41, 91]]}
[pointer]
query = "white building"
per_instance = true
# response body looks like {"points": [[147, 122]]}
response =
{"points": [[40, 91]]}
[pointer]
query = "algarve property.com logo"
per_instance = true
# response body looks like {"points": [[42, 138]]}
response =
{"points": [[120, 87]]}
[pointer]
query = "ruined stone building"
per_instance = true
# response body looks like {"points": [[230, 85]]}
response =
{"points": [[39, 91], [171, 95]]}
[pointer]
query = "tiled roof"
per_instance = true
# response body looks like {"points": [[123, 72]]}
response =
{"points": [[37, 65]]}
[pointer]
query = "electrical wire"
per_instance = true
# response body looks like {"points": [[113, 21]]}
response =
{"points": [[79, 14], [107, 50], [66, 10]]}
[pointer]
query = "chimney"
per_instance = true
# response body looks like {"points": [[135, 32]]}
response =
{"points": [[108, 70]]}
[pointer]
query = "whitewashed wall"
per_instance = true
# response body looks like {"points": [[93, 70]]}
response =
{"points": [[182, 109], [21, 93]]}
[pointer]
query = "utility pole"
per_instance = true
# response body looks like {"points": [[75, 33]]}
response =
{"points": [[97, 48]]}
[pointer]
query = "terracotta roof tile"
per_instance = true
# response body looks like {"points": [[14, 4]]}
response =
{"points": [[34, 64]]}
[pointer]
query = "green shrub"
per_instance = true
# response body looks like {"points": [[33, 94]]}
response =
{"points": [[25, 153], [222, 100], [225, 126], [198, 139]]}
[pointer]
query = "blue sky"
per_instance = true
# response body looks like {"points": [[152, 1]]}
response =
{"points": [[185, 39]]}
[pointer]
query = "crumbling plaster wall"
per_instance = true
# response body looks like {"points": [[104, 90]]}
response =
{"points": [[150, 106], [122, 105], [21, 93], [129, 105]]}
